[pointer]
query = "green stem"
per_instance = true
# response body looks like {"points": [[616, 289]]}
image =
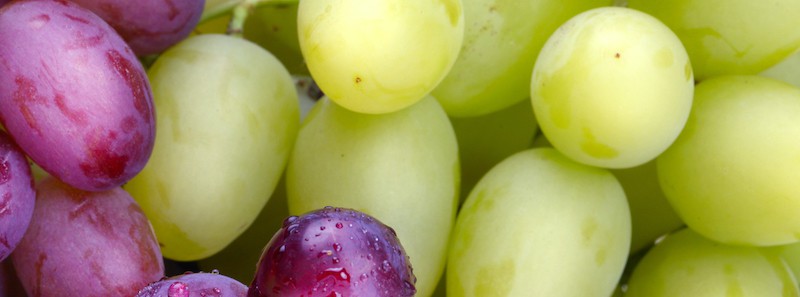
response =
{"points": [[239, 10]]}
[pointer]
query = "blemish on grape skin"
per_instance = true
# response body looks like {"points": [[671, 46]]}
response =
{"points": [[135, 80], [39, 21], [25, 94]]}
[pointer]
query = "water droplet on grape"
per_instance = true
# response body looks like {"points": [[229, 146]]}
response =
{"points": [[386, 266], [178, 289], [339, 225], [215, 271], [337, 247]]}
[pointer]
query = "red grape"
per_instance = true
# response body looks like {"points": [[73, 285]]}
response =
{"points": [[334, 252], [195, 285], [16, 195]]}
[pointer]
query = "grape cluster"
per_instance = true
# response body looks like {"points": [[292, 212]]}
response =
{"points": [[399, 148]]}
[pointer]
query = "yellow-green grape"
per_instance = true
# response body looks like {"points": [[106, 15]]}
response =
{"points": [[274, 27], [651, 214], [379, 56], [790, 254], [686, 264], [227, 119], [787, 70], [501, 41], [730, 36], [401, 167], [486, 140], [732, 174], [612, 88], [540, 224]]}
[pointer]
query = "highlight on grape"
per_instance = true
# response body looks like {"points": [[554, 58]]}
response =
{"points": [[256, 148]]}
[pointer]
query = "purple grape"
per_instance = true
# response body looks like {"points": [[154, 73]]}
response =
{"points": [[149, 26], [86, 244], [333, 252], [16, 195], [3, 2], [73, 95], [195, 285]]}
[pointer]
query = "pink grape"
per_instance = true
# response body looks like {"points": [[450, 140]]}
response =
{"points": [[149, 26], [86, 244], [334, 252], [195, 285], [16, 195], [73, 94]]}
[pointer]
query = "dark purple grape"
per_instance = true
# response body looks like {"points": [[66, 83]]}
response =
{"points": [[195, 285], [73, 95], [16, 195], [149, 26], [86, 244], [333, 252]]}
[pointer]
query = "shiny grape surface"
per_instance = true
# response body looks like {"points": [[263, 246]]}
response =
{"points": [[17, 196]]}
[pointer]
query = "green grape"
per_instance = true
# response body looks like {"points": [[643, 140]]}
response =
{"points": [[379, 56], [227, 119], [501, 41], [540, 224], [612, 88], [787, 70], [651, 214], [486, 140], [238, 260], [732, 174], [274, 27], [401, 167], [790, 254], [730, 36], [686, 264]]}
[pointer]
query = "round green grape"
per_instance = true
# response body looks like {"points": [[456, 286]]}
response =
{"points": [[540, 224], [401, 167], [379, 56], [686, 264], [732, 174], [730, 36], [227, 118], [612, 88]]}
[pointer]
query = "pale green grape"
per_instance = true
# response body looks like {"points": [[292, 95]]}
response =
{"points": [[730, 36], [238, 260], [501, 41], [540, 224], [401, 167], [787, 70], [651, 214], [379, 56], [686, 264], [227, 119], [732, 175], [612, 88], [790, 254], [274, 27], [484, 141]]}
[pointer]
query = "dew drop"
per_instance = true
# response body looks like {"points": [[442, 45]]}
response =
{"points": [[386, 266], [337, 247], [282, 248], [335, 260], [178, 289], [321, 228], [289, 220], [215, 271], [339, 225]]}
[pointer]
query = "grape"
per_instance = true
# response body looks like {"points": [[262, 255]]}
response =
{"points": [[379, 56], [149, 26], [612, 88], [74, 97], [195, 285], [3, 2], [790, 253], [732, 174], [539, 224], [732, 36], [274, 27], [787, 70], [16, 195], [686, 264], [228, 116], [501, 41], [334, 252], [651, 214], [380, 165], [486, 140], [238, 259], [86, 244]]}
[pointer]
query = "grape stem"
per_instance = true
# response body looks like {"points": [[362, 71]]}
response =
{"points": [[239, 10]]}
